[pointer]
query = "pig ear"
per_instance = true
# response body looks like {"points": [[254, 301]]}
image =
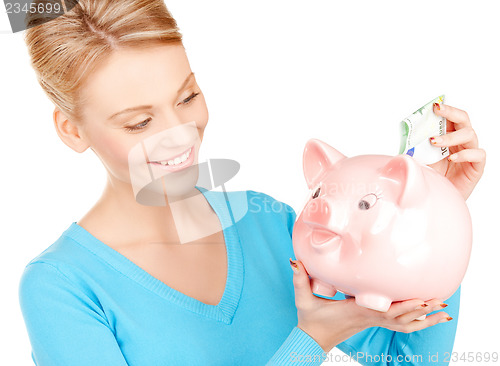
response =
{"points": [[405, 171], [317, 159]]}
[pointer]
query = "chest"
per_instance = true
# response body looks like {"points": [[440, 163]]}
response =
{"points": [[198, 269]]}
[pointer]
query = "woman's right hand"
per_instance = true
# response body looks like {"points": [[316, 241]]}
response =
{"points": [[330, 322]]}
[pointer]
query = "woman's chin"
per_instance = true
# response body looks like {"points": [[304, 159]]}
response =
{"points": [[172, 187]]}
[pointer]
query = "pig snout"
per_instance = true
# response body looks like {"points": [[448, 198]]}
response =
{"points": [[321, 215]]}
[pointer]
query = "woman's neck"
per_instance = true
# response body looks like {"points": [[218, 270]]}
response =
{"points": [[120, 220]]}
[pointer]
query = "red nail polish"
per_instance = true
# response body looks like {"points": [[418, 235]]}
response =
{"points": [[432, 140], [294, 266], [437, 106], [447, 319]]}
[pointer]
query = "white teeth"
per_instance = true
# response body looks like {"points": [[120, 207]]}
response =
{"points": [[177, 160]]}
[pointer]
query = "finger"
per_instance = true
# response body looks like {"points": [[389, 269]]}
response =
{"points": [[434, 305], [457, 116], [429, 321], [402, 307], [301, 284], [475, 156], [465, 136]]}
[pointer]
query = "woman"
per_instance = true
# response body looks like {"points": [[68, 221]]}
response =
{"points": [[157, 273]]}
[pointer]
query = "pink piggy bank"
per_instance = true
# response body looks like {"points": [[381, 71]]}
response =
{"points": [[380, 228]]}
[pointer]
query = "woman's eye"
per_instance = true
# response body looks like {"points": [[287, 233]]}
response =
{"points": [[144, 123], [190, 98], [138, 126], [367, 201]]}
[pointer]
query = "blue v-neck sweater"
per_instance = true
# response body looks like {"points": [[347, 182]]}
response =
{"points": [[85, 304]]}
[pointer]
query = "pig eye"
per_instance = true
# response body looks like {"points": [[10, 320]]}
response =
{"points": [[367, 201], [316, 193]]}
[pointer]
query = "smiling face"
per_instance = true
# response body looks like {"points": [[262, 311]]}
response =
{"points": [[142, 109]]}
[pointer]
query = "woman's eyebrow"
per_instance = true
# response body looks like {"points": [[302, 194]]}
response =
{"points": [[132, 109], [128, 110]]}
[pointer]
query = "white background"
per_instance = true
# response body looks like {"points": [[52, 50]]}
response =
{"points": [[274, 74]]}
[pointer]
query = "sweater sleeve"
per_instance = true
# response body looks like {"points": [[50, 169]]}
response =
{"points": [[64, 325], [429, 346], [298, 348]]}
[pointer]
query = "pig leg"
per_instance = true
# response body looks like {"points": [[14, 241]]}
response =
{"points": [[373, 301], [322, 288]]}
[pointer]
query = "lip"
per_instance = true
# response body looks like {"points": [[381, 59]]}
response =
{"points": [[189, 161]]}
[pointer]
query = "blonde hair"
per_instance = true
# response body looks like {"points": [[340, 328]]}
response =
{"points": [[65, 50]]}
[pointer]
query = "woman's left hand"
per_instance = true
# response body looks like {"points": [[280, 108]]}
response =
{"points": [[465, 165]]}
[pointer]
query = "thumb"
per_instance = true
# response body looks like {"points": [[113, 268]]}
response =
{"points": [[301, 283]]}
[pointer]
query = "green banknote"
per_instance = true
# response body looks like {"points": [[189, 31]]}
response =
{"points": [[416, 130]]}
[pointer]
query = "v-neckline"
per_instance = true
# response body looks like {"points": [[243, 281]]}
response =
{"points": [[224, 311]]}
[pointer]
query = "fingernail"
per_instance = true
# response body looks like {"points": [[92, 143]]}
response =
{"points": [[437, 106], [422, 306], [452, 157], [443, 305], [436, 140], [295, 268], [446, 319]]}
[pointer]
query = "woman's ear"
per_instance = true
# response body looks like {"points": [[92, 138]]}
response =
{"points": [[69, 132]]}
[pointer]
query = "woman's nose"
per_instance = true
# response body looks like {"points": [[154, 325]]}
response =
{"points": [[172, 119], [179, 134]]}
